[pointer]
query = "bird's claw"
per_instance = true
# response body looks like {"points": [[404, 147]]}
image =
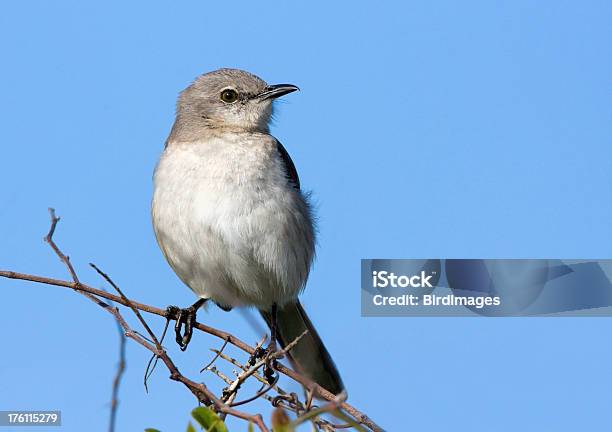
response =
{"points": [[257, 354], [269, 361], [185, 320], [269, 370]]}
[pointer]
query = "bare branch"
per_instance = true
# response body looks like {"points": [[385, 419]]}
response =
{"points": [[199, 390]]}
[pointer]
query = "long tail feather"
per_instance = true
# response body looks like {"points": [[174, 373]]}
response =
{"points": [[309, 356]]}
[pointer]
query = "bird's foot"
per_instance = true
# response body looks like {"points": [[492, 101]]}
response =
{"points": [[270, 352], [269, 356], [269, 360], [185, 320]]}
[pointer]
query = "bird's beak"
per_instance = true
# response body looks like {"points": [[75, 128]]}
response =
{"points": [[277, 90]]}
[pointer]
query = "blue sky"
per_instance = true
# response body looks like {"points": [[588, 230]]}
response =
{"points": [[441, 129]]}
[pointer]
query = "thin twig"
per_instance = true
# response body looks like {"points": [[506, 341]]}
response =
{"points": [[131, 306], [327, 408], [154, 358], [218, 353], [220, 374], [262, 391], [266, 360], [49, 239], [245, 368], [117, 379]]}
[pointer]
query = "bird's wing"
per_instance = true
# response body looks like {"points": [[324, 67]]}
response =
{"points": [[290, 170]]}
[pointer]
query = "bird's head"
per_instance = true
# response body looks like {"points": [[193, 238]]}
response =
{"points": [[227, 98]]}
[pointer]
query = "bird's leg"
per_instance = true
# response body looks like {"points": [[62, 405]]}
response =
{"points": [[270, 363], [266, 354], [273, 329], [184, 318]]}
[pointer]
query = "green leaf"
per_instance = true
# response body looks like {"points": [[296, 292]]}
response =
{"points": [[251, 427], [150, 430], [218, 427], [190, 428], [204, 416], [208, 420]]}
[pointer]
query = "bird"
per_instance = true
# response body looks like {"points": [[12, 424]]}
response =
{"points": [[230, 216]]}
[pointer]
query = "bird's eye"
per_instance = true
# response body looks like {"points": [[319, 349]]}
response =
{"points": [[229, 95]]}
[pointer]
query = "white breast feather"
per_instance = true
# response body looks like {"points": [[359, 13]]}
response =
{"points": [[229, 223]]}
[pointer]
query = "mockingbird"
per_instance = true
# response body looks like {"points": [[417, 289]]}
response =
{"points": [[230, 217]]}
